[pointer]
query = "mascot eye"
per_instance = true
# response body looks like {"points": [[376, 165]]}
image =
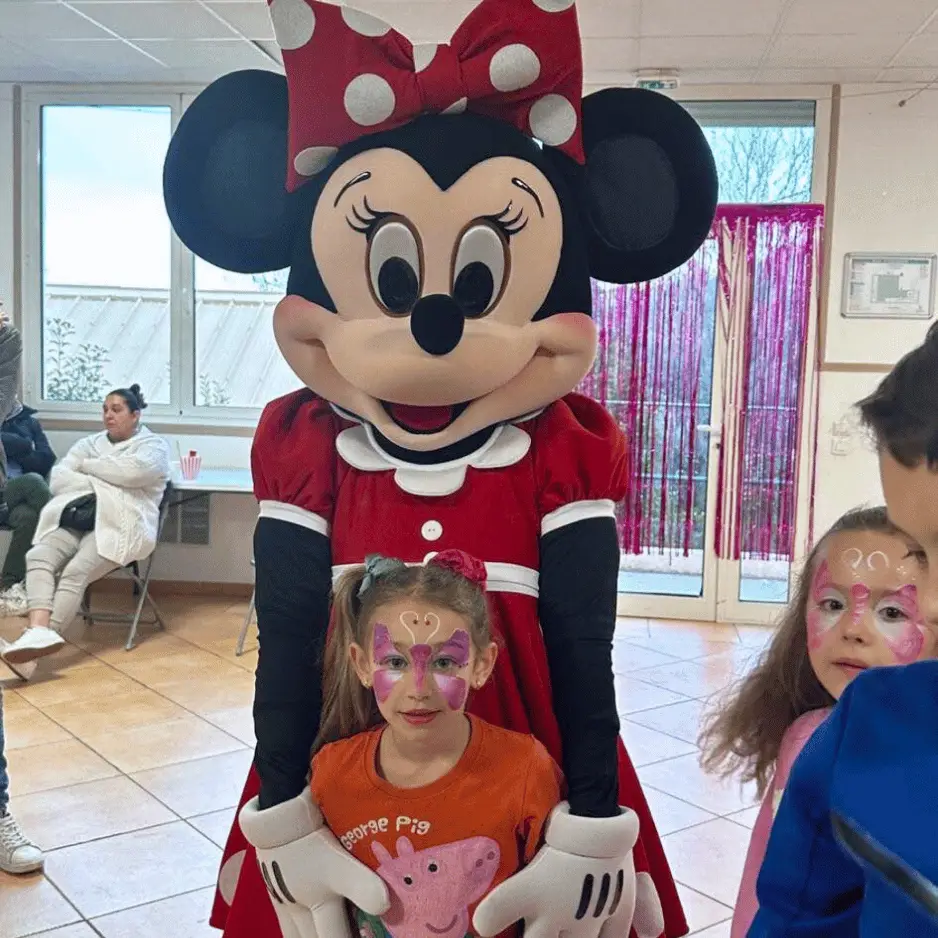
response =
{"points": [[480, 269], [394, 267]]}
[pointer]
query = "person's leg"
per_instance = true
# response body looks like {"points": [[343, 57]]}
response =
{"points": [[17, 853], [25, 496], [43, 562], [86, 566]]}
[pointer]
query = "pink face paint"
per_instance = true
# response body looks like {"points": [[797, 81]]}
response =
{"points": [[421, 656], [860, 596], [457, 648], [905, 637], [820, 621], [383, 650], [455, 690]]}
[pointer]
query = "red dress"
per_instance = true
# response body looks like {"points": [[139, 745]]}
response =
{"points": [[563, 465]]}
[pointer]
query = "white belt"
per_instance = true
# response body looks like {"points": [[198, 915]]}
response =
{"points": [[500, 577]]}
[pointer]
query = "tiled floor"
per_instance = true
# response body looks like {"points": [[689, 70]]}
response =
{"points": [[126, 768]]}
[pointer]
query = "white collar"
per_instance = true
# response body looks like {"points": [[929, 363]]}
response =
{"points": [[506, 446]]}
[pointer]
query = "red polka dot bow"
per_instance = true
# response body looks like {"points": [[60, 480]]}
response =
{"points": [[349, 74]]}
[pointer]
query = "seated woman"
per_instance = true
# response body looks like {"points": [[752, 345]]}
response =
{"points": [[29, 459], [103, 514]]}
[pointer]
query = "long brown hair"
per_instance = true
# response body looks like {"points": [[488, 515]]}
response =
{"points": [[349, 707], [742, 737]]}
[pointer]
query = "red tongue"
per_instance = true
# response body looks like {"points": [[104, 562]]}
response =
{"points": [[421, 419]]}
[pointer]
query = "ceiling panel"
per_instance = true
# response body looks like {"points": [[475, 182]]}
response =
{"points": [[725, 18], [603, 18], [816, 76], [702, 52], [226, 55], [725, 41], [910, 75], [144, 19], [88, 54], [610, 55], [867, 51], [44, 20], [921, 52], [249, 17], [833, 17]]}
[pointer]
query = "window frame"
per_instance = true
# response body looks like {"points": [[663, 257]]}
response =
{"points": [[182, 409]]}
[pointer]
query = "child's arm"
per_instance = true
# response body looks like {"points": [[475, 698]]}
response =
{"points": [[807, 885]]}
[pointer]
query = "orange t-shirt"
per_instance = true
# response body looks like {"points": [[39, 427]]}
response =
{"points": [[441, 847]]}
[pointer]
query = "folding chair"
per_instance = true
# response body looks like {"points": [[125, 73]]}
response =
{"points": [[242, 637], [141, 586]]}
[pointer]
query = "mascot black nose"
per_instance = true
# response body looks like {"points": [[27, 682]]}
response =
{"points": [[437, 323]]}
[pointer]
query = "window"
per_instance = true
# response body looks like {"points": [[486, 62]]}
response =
{"points": [[110, 295], [764, 150], [105, 252]]}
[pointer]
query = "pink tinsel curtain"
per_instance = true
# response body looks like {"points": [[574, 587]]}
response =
{"points": [[654, 339], [748, 292], [767, 269]]}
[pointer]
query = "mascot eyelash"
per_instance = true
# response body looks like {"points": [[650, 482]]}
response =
{"points": [[367, 222], [508, 226]]}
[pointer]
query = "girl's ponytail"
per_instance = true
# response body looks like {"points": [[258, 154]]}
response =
{"points": [[347, 707]]}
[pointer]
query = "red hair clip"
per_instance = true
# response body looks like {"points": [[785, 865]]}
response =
{"points": [[462, 564]]}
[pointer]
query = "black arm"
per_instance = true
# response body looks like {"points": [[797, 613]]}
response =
{"points": [[16, 446], [293, 581], [578, 586], [40, 459]]}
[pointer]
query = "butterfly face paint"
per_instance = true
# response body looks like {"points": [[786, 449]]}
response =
{"points": [[826, 607], [454, 689], [438, 664], [904, 633], [389, 663]]}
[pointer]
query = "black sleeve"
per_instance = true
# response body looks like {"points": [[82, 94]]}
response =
{"points": [[41, 459], [15, 446], [293, 581], [578, 587]]}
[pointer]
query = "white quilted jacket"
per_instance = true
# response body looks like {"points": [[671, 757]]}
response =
{"points": [[128, 480]]}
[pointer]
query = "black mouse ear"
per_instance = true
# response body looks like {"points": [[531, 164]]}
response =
{"points": [[651, 184], [225, 173]]}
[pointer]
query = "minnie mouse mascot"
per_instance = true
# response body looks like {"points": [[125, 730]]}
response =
{"points": [[442, 210]]}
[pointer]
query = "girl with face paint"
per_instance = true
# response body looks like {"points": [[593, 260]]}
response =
{"points": [[441, 804], [856, 608]]}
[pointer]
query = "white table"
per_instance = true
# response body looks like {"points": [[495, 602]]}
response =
{"points": [[233, 481]]}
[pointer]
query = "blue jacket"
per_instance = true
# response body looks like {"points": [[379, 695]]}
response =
{"points": [[25, 444], [874, 762]]}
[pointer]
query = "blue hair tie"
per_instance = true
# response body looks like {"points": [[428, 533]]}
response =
{"points": [[377, 566]]}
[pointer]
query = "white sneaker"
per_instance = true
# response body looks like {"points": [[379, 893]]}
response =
{"points": [[18, 854], [13, 600], [36, 642], [23, 671]]}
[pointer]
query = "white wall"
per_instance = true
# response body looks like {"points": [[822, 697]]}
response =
{"points": [[886, 200]]}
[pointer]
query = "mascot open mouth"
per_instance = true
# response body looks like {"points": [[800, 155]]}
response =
{"points": [[415, 419]]}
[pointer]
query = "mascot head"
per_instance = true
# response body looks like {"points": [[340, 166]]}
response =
{"points": [[441, 209]]}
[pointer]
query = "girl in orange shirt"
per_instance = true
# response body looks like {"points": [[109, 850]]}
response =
{"points": [[442, 805]]}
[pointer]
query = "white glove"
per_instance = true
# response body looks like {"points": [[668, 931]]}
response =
{"points": [[307, 872], [581, 884]]}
